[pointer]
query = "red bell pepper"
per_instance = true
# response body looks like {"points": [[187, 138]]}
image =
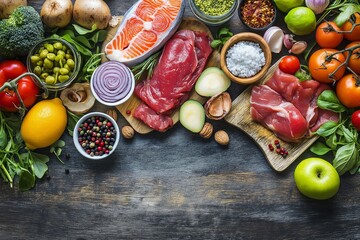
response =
{"points": [[23, 87]]}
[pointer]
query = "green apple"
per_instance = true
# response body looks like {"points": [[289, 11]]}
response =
{"points": [[316, 178]]}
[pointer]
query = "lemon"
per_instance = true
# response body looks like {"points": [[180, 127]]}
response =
{"points": [[287, 5], [301, 20], [44, 124]]}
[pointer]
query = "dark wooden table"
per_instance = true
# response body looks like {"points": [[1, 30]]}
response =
{"points": [[175, 185]]}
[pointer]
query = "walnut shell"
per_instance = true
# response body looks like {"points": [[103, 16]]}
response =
{"points": [[127, 132], [222, 138], [207, 130], [218, 106], [112, 113]]}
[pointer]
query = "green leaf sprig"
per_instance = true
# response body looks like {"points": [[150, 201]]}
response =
{"points": [[340, 137], [146, 67], [223, 35]]}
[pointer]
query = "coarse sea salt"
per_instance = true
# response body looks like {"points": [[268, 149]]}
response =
{"points": [[245, 59]]}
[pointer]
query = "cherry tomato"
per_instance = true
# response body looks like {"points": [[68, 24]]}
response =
{"points": [[347, 26], [348, 91], [354, 61], [355, 119], [327, 35], [28, 90], [289, 64], [323, 67]]}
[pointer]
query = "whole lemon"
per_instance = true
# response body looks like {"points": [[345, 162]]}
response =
{"points": [[287, 5], [301, 20], [44, 124]]}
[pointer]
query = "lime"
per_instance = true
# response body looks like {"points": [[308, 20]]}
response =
{"points": [[301, 20], [287, 5]]}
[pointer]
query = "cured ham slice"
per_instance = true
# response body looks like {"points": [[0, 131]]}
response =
{"points": [[183, 58], [279, 115], [144, 29], [302, 95]]}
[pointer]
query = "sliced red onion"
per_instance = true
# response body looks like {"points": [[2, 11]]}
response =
{"points": [[112, 82]]}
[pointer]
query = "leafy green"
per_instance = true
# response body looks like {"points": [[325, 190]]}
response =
{"points": [[223, 35], [340, 137], [345, 13], [146, 67], [72, 119]]}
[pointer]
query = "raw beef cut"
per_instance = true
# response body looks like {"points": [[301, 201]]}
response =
{"points": [[302, 95], [183, 58], [277, 114]]}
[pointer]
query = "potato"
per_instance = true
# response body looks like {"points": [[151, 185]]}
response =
{"points": [[8, 6]]}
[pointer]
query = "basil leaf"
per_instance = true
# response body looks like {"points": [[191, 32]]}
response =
{"points": [[78, 46], [345, 13], [345, 158], [319, 148], [329, 101], [26, 180], [40, 168], [215, 43], [332, 142], [356, 167], [99, 36], [84, 41], [348, 135], [224, 32], [327, 129]]}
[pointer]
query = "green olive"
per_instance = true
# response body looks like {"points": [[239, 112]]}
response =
{"points": [[44, 75], [48, 64], [56, 69], [69, 56], [58, 58], [63, 78], [58, 45], [64, 71], [34, 59], [51, 56], [43, 53], [70, 63], [67, 67], [50, 80], [49, 47], [37, 70], [61, 53], [40, 63], [64, 48]]}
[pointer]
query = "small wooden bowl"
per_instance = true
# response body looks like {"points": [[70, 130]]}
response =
{"points": [[246, 36]]}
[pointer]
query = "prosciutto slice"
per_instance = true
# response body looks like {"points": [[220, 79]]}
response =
{"points": [[302, 95], [279, 115], [180, 65]]}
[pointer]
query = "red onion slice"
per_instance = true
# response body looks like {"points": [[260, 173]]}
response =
{"points": [[112, 83]]}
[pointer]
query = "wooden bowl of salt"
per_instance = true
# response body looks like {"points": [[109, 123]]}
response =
{"points": [[245, 58]]}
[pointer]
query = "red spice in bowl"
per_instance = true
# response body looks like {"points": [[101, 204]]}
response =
{"points": [[257, 14]]}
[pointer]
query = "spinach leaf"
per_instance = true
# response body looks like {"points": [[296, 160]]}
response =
{"points": [[345, 158], [328, 100], [26, 180], [82, 31], [319, 148], [332, 141]]}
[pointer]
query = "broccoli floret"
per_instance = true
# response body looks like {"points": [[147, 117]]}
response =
{"points": [[20, 32]]}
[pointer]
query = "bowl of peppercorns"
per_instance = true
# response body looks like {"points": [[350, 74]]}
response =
{"points": [[257, 15], [96, 135]]}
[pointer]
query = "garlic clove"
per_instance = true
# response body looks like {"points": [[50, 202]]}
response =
{"points": [[289, 40], [218, 106], [274, 37], [298, 47]]}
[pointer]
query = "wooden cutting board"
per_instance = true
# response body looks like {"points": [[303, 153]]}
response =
{"points": [[240, 117], [127, 108]]}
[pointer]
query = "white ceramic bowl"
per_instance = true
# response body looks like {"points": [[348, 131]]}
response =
{"points": [[76, 135]]}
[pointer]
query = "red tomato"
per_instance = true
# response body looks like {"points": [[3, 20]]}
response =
{"points": [[28, 90], [323, 67], [289, 64], [347, 26], [348, 91], [355, 119], [354, 61], [328, 36]]}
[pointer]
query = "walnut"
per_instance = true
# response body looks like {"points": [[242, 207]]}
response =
{"points": [[207, 130], [112, 113], [127, 132], [222, 138]]}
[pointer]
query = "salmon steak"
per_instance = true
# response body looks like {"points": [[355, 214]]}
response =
{"points": [[145, 28]]}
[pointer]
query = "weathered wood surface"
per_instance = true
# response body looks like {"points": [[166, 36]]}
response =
{"points": [[176, 185]]}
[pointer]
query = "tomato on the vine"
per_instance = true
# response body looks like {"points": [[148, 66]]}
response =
{"points": [[347, 26], [355, 119], [354, 61], [28, 90], [324, 65], [289, 64], [328, 36], [348, 90]]}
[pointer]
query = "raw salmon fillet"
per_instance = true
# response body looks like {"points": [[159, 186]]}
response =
{"points": [[145, 27]]}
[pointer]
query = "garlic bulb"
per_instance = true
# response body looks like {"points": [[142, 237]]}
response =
{"points": [[318, 6]]}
